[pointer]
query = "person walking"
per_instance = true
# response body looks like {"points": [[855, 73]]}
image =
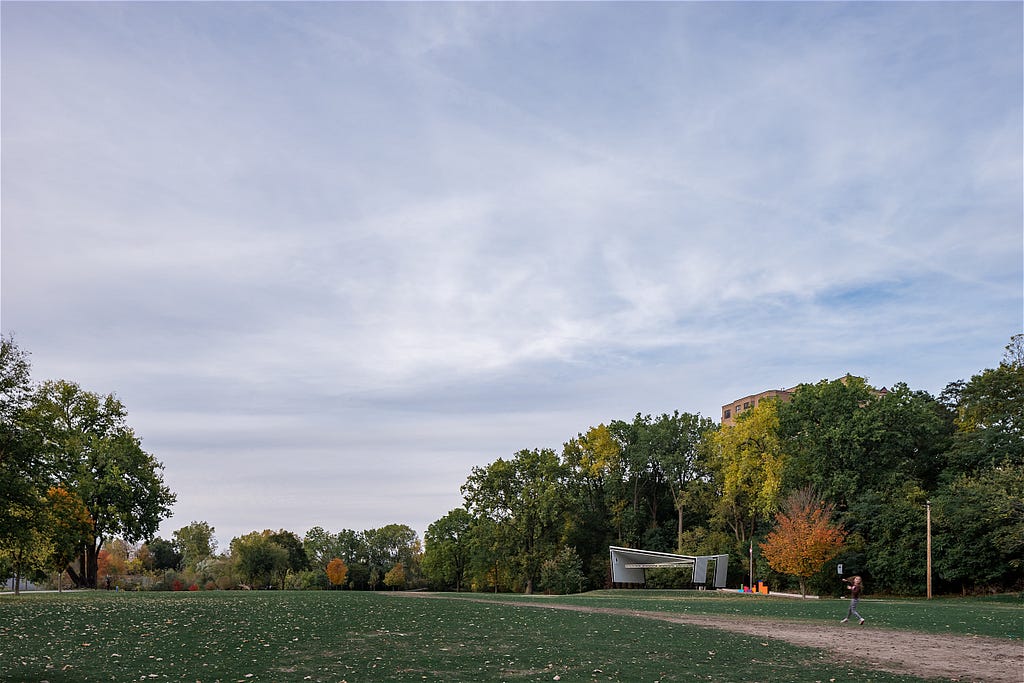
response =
{"points": [[856, 586]]}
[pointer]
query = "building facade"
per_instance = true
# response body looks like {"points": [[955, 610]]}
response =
{"points": [[731, 411]]}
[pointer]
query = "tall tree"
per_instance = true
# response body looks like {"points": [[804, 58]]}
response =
{"points": [[524, 498], [321, 547], [899, 436], [818, 429], [297, 559], [68, 524], [196, 542], [749, 462], [98, 457], [990, 419], [259, 559], [388, 546], [804, 537], [593, 498], [979, 529], [676, 442], [23, 480], [979, 513], [638, 494], [447, 553]]}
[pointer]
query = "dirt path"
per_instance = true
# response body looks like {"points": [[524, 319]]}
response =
{"points": [[952, 657]]}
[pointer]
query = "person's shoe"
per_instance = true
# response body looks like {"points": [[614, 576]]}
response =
{"points": [[844, 621], [861, 623]]}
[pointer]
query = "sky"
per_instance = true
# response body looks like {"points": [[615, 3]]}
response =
{"points": [[333, 256]]}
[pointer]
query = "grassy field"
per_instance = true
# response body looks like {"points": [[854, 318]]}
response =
{"points": [[356, 637], [995, 617]]}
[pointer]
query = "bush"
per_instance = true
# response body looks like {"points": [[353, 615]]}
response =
{"points": [[563, 574], [671, 579]]}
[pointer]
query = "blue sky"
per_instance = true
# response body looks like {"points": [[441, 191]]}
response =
{"points": [[331, 256]]}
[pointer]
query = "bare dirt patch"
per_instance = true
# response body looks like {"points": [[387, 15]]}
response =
{"points": [[952, 657]]}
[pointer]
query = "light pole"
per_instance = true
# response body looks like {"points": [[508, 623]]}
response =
{"points": [[928, 508]]}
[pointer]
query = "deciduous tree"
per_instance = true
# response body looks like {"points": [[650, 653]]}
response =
{"points": [[395, 578], [676, 442], [97, 456], [524, 499], [749, 462], [196, 542], [68, 526], [23, 474], [447, 554], [163, 554], [804, 538], [337, 571], [258, 559]]}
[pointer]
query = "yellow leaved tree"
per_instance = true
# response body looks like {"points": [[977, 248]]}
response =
{"points": [[396, 577], [749, 460]]}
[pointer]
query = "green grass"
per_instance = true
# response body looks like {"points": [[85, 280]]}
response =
{"points": [[356, 637], [995, 617]]}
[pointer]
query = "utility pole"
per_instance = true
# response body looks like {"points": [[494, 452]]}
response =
{"points": [[928, 508]]}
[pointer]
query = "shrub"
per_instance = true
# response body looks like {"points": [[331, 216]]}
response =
{"points": [[563, 574]]}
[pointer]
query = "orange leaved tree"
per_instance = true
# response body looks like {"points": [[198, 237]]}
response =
{"points": [[337, 570], [804, 538]]}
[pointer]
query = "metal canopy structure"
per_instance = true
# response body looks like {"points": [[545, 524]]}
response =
{"points": [[629, 565]]}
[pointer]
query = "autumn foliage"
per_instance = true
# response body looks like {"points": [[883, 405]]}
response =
{"points": [[804, 539], [396, 577], [337, 570]]}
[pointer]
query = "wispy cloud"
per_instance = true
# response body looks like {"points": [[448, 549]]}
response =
{"points": [[328, 235]]}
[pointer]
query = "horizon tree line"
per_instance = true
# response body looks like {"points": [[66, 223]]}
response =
{"points": [[74, 477]]}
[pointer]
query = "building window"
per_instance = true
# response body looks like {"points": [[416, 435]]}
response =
{"points": [[728, 413], [746, 404]]}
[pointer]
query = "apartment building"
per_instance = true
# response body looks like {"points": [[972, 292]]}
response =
{"points": [[730, 411]]}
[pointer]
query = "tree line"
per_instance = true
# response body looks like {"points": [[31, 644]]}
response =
{"points": [[79, 494], [861, 464], [387, 557]]}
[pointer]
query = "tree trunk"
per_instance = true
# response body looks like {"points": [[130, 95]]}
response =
{"points": [[679, 529], [86, 578], [89, 574]]}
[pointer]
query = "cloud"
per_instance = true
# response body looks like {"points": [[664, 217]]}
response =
{"points": [[300, 240]]}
